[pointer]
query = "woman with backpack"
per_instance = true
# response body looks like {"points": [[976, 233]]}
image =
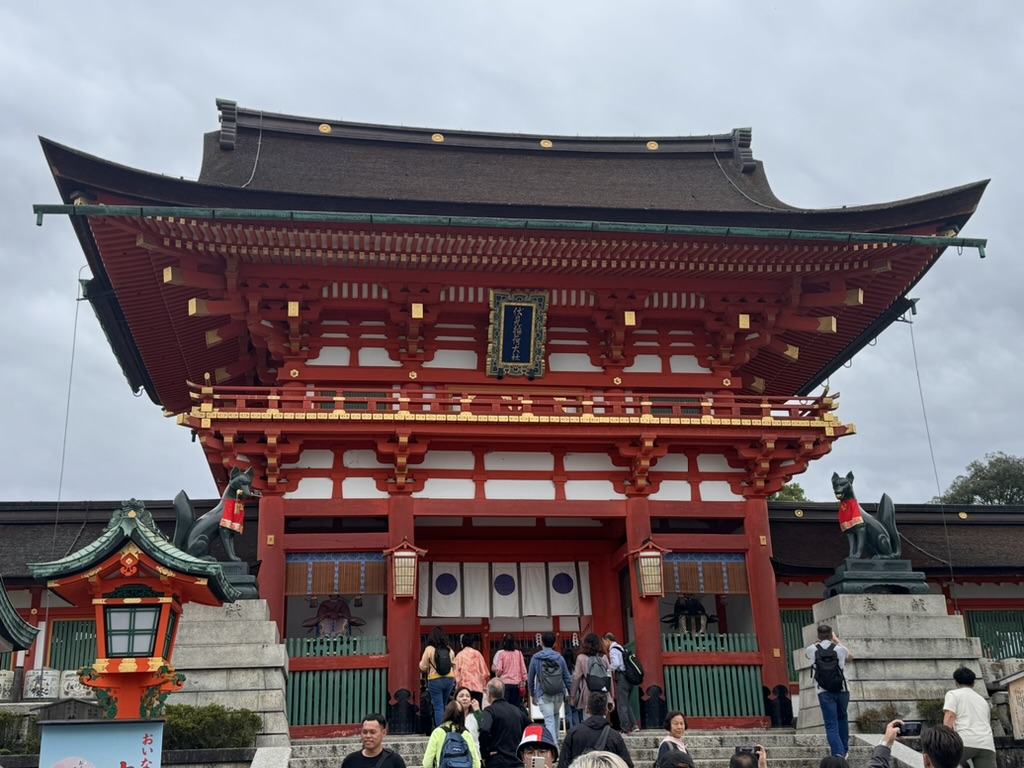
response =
{"points": [[437, 662], [509, 665], [449, 745], [592, 667]]}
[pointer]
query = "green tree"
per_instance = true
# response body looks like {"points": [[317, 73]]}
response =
{"points": [[999, 479], [789, 492]]}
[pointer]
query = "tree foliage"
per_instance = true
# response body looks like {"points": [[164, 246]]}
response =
{"points": [[999, 479], [789, 492]]}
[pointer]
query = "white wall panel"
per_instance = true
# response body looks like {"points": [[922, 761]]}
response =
{"points": [[590, 490], [361, 488], [519, 489], [313, 459], [674, 490], [447, 488], [519, 461], [312, 488]]}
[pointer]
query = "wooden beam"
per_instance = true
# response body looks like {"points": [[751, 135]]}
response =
{"points": [[214, 308], [854, 297], [807, 324], [224, 333], [193, 279]]}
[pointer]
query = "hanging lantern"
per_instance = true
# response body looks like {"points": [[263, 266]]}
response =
{"points": [[650, 574], [404, 568]]}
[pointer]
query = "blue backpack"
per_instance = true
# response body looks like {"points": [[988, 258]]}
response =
{"points": [[455, 752]]}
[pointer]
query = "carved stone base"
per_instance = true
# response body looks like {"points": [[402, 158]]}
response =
{"points": [[240, 578], [875, 577]]}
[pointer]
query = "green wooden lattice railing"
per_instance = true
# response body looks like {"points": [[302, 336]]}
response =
{"points": [[715, 691], [307, 647], [1001, 632], [733, 642], [793, 623], [335, 696], [72, 643], [7, 660]]}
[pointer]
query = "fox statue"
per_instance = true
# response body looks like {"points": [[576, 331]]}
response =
{"points": [[196, 536], [869, 535]]}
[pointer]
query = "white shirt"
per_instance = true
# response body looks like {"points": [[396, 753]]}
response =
{"points": [[973, 721], [841, 652]]}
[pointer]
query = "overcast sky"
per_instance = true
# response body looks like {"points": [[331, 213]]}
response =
{"points": [[850, 103]]}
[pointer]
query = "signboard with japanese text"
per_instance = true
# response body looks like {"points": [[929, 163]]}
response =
{"points": [[101, 743], [518, 329]]}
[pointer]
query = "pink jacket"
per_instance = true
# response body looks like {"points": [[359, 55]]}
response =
{"points": [[510, 667], [471, 670]]}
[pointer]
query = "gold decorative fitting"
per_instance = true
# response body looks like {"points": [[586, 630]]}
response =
{"points": [[294, 373], [325, 128], [652, 145], [546, 143], [727, 382], [617, 381], [131, 513], [962, 515], [413, 374], [798, 513], [437, 138]]}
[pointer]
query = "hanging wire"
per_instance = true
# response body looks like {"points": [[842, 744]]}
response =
{"points": [[256, 160], [935, 471]]}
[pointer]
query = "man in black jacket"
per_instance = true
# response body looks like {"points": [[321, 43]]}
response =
{"points": [[501, 727], [593, 733]]}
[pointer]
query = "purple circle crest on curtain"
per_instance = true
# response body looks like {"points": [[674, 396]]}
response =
{"points": [[562, 583], [504, 584], [446, 584]]}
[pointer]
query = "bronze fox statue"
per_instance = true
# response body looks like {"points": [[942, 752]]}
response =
{"points": [[869, 535], [196, 536]]}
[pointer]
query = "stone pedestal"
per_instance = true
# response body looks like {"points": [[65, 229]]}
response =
{"points": [[233, 656], [240, 578], [904, 649], [855, 577]]}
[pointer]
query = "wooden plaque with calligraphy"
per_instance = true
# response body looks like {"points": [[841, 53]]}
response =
{"points": [[517, 334]]}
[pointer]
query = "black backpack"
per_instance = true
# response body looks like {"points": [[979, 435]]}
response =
{"points": [[442, 660], [631, 667], [602, 740], [826, 670], [598, 677], [551, 682]]}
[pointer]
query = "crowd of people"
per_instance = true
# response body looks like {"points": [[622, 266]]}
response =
{"points": [[482, 719]]}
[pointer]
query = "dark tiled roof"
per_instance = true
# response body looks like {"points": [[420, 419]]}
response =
{"points": [[987, 542], [14, 629]]}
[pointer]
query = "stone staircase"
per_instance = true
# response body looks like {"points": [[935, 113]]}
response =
{"points": [[710, 749]]}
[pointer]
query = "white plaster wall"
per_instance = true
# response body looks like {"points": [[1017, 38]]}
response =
{"points": [[685, 364], [645, 364], [568, 362], [361, 488], [519, 489], [447, 488], [377, 357], [588, 462], [312, 488], [312, 459], [710, 462], [519, 461], [332, 356], [461, 359], [717, 490], [674, 462], [447, 460], [590, 490], [674, 490], [362, 460], [992, 591]]}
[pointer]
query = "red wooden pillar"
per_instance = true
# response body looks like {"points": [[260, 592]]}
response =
{"points": [[646, 618], [604, 583], [270, 553], [764, 599], [403, 625]]}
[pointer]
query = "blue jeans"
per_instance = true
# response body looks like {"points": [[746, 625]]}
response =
{"points": [[549, 706], [837, 726], [440, 690]]}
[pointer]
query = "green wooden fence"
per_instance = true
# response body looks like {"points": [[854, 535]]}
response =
{"points": [[715, 691], [72, 643], [7, 660], [335, 696], [793, 623], [733, 642], [306, 647], [1001, 632]]}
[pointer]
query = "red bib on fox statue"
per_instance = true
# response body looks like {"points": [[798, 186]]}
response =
{"points": [[234, 514], [849, 514]]}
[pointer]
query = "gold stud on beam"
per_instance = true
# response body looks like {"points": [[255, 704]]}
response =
{"points": [[826, 325], [293, 309], [758, 385], [629, 318], [792, 352], [854, 297], [744, 322], [197, 308], [172, 276], [416, 311]]}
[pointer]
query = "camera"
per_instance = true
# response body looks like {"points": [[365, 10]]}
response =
{"points": [[751, 750], [910, 728]]}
